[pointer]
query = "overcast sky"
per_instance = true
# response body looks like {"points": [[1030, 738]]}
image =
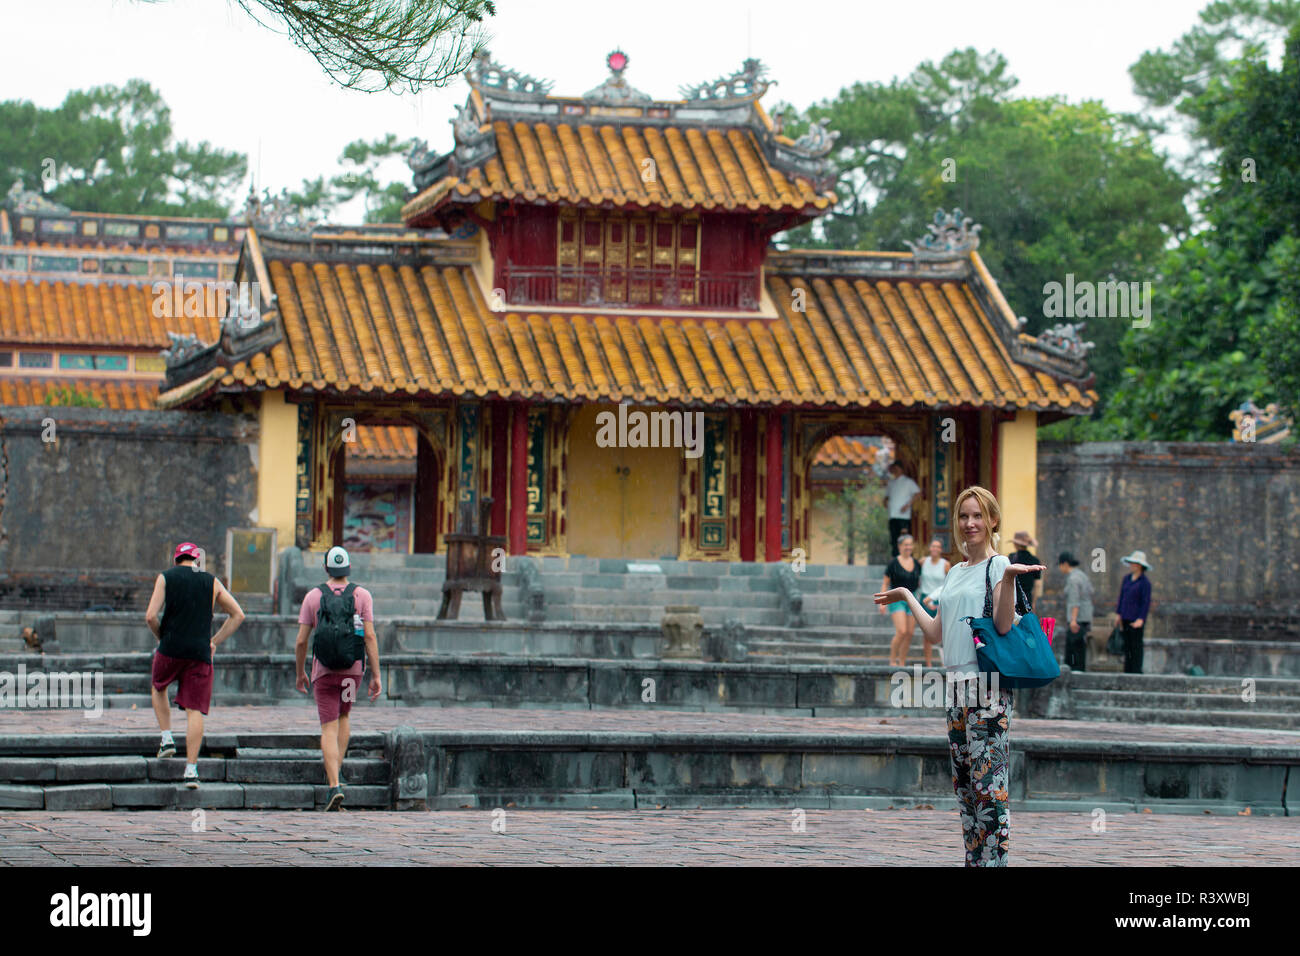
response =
{"points": [[246, 88]]}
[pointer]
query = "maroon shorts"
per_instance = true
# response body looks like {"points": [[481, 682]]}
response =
{"points": [[334, 692], [195, 690]]}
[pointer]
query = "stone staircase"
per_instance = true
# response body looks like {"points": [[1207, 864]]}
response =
{"points": [[403, 585], [1173, 698], [236, 771], [618, 591]]}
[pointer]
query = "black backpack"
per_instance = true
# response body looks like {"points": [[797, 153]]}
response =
{"points": [[335, 642]]}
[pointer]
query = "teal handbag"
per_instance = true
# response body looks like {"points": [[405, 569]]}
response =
{"points": [[1022, 657]]}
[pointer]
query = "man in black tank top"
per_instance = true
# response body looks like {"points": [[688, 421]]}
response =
{"points": [[180, 616]]}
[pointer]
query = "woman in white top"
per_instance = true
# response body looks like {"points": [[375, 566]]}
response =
{"points": [[933, 570], [978, 736]]}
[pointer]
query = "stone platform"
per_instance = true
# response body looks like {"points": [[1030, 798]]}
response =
{"points": [[451, 758], [862, 689]]}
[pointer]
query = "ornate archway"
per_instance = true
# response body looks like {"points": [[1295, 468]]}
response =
{"points": [[914, 450], [336, 424]]}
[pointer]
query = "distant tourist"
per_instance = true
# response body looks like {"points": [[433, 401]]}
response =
{"points": [[903, 571], [978, 735], [180, 616], [1033, 582], [901, 493], [1132, 608], [1078, 611], [933, 570], [340, 617]]}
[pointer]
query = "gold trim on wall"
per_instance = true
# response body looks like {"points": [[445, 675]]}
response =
{"points": [[690, 488]]}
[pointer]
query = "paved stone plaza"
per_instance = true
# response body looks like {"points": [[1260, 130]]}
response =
{"points": [[649, 720], [902, 837]]}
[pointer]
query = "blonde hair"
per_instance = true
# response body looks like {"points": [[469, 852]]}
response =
{"points": [[989, 510]]}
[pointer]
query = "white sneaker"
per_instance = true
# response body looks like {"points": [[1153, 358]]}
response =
{"points": [[191, 778], [166, 746]]}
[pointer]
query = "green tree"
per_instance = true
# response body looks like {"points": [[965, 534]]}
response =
{"points": [[1224, 322], [318, 199], [1277, 335], [111, 149], [1231, 35], [1057, 187], [361, 162], [862, 521]]}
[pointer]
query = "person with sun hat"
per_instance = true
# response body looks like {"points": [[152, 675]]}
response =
{"points": [[1132, 608]]}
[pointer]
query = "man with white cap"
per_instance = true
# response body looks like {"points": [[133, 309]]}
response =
{"points": [[340, 616], [1132, 608]]}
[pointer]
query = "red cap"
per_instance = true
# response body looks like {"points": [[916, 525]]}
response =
{"points": [[186, 550]]}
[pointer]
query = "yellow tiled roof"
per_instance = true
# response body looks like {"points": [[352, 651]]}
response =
{"points": [[41, 312], [843, 450], [391, 329], [384, 442], [666, 167], [111, 393]]}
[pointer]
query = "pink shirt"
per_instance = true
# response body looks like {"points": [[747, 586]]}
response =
{"points": [[365, 605]]}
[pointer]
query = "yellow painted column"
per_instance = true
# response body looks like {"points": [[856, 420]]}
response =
{"points": [[1018, 477], [277, 466]]}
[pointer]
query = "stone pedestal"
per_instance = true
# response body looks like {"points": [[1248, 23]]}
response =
{"points": [[683, 627]]}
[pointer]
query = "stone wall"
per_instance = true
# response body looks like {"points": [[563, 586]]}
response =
{"points": [[90, 518], [1219, 522]]}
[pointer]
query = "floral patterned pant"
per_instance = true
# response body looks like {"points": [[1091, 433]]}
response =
{"points": [[978, 741]]}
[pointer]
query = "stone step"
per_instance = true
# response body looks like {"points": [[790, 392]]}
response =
{"points": [[301, 768], [1260, 719], [1189, 702], [786, 649], [1181, 683]]}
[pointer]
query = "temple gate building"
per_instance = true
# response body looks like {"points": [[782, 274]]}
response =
{"points": [[569, 256]]}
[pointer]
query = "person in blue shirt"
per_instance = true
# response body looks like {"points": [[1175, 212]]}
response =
{"points": [[1132, 608]]}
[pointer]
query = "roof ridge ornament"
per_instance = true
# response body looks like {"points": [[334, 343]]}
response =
{"points": [[616, 89], [275, 213], [418, 157], [183, 348], [483, 72], [1066, 341], [748, 83], [952, 236], [819, 139], [30, 201]]}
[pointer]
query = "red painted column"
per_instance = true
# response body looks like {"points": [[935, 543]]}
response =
{"points": [[519, 479], [772, 496]]}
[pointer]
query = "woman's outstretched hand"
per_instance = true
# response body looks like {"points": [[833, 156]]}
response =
{"points": [[1014, 570], [890, 596]]}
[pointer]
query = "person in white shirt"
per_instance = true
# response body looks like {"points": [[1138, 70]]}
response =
{"points": [[901, 493], [933, 570], [978, 736]]}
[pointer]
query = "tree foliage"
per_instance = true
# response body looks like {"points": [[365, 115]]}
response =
{"points": [[318, 199], [1057, 187], [111, 149], [861, 522], [1225, 321]]}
